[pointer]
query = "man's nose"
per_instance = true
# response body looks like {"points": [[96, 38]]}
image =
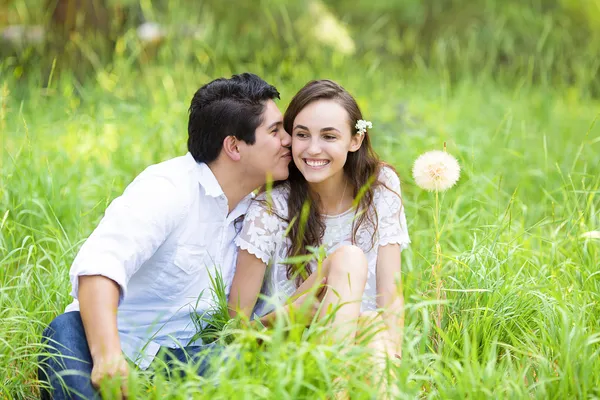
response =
{"points": [[286, 139]]}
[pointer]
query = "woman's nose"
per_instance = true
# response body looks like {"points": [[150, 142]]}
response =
{"points": [[314, 147]]}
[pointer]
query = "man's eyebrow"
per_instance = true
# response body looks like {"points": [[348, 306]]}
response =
{"points": [[274, 124]]}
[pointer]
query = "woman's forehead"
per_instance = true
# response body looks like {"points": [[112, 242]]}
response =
{"points": [[322, 113]]}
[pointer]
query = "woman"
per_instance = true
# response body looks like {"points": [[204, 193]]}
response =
{"points": [[355, 212]]}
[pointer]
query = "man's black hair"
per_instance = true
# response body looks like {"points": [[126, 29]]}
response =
{"points": [[226, 107]]}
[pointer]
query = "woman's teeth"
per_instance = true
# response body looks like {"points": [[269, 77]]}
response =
{"points": [[316, 163]]}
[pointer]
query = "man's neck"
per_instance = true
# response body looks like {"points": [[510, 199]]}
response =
{"points": [[234, 185]]}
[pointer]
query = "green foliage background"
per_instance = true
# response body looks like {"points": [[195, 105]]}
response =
{"points": [[549, 41], [511, 86]]}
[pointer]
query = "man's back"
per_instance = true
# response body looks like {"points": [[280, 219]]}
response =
{"points": [[170, 229]]}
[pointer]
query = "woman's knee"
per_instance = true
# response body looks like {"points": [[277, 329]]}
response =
{"points": [[349, 259], [370, 316], [368, 320]]}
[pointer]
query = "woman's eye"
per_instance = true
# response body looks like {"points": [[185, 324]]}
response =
{"points": [[301, 135], [329, 137]]}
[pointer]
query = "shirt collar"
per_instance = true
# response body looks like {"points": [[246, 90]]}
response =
{"points": [[212, 188], [207, 179], [242, 206]]}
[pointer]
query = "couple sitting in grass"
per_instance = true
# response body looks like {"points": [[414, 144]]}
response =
{"points": [[149, 261]]}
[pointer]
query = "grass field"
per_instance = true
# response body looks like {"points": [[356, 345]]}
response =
{"points": [[521, 279]]}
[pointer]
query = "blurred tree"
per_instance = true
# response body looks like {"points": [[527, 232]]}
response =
{"points": [[79, 15], [536, 40], [82, 33], [532, 40]]}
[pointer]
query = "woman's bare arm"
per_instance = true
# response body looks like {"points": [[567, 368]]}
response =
{"points": [[247, 281]]}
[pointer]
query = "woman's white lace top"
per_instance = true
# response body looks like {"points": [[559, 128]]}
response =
{"points": [[264, 235]]}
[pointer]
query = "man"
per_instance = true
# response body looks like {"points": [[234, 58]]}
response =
{"points": [[145, 268]]}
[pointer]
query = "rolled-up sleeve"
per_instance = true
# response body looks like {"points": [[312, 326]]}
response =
{"points": [[133, 227]]}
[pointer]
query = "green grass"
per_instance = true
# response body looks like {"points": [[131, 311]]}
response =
{"points": [[522, 308]]}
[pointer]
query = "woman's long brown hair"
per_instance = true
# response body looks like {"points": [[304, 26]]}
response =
{"points": [[361, 169]]}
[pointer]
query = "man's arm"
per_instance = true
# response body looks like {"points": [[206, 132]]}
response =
{"points": [[98, 302], [133, 228]]}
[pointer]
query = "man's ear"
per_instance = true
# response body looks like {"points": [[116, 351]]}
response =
{"points": [[356, 142], [231, 149]]}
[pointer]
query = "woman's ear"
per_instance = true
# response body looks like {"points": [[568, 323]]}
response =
{"points": [[230, 147], [356, 142]]}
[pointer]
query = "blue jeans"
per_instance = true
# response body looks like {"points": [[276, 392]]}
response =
{"points": [[66, 365]]}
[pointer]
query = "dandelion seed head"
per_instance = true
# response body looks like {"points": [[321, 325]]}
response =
{"points": [[436, 171], [591, 235]]}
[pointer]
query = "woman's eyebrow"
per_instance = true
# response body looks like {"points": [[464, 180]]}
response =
{"points": [[326, 129]]}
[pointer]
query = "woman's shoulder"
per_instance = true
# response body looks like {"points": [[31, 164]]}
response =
{"points": [[388, 178], [279, 193], [387, 194], [273, 199]]}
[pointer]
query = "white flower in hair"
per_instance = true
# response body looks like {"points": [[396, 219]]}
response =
{"points": [[362, 125]]}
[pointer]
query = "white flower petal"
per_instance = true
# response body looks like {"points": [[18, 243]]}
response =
{"points": [[436, 170]]}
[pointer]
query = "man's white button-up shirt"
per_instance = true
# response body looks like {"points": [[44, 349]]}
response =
{"points": [[159, 242]]}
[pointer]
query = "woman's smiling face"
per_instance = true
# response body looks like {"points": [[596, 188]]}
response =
{"points": [[321, 139]]}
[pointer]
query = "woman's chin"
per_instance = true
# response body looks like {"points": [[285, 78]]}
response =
{"points": [[312, 177]]}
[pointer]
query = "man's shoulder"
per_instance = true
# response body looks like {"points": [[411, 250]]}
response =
{"points": [[178, 169], [172, 178]]}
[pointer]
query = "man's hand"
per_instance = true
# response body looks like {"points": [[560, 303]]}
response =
{"points": [[111, 367]]}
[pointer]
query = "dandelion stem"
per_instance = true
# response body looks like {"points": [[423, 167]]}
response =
{"points": [[437, 266]]}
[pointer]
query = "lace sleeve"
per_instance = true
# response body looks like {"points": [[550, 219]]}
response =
{"points": [[392, 220], [262, 231]]}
